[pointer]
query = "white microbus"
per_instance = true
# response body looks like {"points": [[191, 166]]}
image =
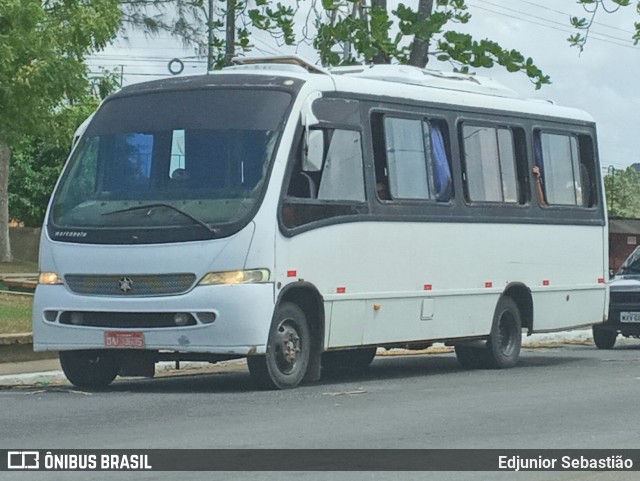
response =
{"points": [[303, 218]]}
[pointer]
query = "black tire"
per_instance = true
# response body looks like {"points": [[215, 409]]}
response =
{"points": [[349, 359], [503, 346], [472, 357], [604, 338], [89, 369], [288, 350]]}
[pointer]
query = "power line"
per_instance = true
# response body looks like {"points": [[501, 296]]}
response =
{"points": [[552, 21], [552, 27], [536, 5], [192, 58], [137, 74], [267, 47]]}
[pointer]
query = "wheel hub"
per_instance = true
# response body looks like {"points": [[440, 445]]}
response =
{"points": [[291, 348], [288, 346]]}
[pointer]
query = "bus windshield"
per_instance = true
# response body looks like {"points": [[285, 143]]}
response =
{"points": [[177, 160]]}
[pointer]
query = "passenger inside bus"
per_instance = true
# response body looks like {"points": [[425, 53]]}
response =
{"points": [[382, 190]]}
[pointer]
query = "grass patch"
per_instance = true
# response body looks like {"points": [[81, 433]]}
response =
{"points": [[15, 313], [18, 266]]}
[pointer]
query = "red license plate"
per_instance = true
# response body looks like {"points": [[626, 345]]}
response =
{"points": [[124, 340]]}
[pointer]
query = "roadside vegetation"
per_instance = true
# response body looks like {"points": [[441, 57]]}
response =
{"points": [[18, 266], [15, 313]]}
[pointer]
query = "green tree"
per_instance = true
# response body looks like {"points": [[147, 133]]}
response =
{"points": [[623, 193], [37, 159], [342, 31], [349, 33], [593, 7], [216, 28], [43, 44]]}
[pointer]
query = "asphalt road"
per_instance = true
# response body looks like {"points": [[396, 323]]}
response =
{"points": [[573, 396]]}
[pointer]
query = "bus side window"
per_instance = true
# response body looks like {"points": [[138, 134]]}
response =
{"points": [[334, 174], [491, 163], [565, 163], [311, 161], [411, 160], [303, 183], [588, 171], [442, 169], [342, 170], [327, 180], [538, 171]]}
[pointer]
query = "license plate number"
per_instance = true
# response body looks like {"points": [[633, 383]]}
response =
{"points": [[630, 317], [124, 340]]}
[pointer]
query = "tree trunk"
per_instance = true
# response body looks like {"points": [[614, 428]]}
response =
{"points": [[5, 246], [419, 56], [230, 43]]}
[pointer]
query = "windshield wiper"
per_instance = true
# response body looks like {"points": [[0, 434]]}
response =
{"points": [[201, 223]]}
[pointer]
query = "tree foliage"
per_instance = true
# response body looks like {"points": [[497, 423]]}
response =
{"points": [[38, 158], [43, 44], [349, 33], [592, 7], [229, 21], [623, 193], [343, 32]]}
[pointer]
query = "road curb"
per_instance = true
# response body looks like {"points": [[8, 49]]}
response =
{"points": [[19, 348]]}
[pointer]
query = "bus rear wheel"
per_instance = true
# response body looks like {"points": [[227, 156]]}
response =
{"points": [[288, 350], [503, 346], [91, 369]]}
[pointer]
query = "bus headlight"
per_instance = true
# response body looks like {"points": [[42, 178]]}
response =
{"points": [[235, 277], [49, 278]]}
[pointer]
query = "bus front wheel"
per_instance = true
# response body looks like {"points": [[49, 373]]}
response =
{"points": [[89, 369], [503, 346], [288, 350]]}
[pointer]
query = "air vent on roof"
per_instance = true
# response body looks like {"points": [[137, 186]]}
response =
{"points": [[285, 62], [427, 78]]}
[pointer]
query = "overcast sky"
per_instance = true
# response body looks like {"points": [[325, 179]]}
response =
{"points": [[601, 80]]}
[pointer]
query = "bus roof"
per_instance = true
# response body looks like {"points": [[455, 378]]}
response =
{"points": [[389, 81], [404, 81]]}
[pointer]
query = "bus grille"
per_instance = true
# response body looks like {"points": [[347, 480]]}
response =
{"points": [[125, 320], [130, 285]]}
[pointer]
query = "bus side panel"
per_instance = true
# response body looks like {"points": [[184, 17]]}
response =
{"points": [[557, 310], [401, 319], [457, 270]]}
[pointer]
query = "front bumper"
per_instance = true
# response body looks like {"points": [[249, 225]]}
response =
{"points": [[243, 317]]}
